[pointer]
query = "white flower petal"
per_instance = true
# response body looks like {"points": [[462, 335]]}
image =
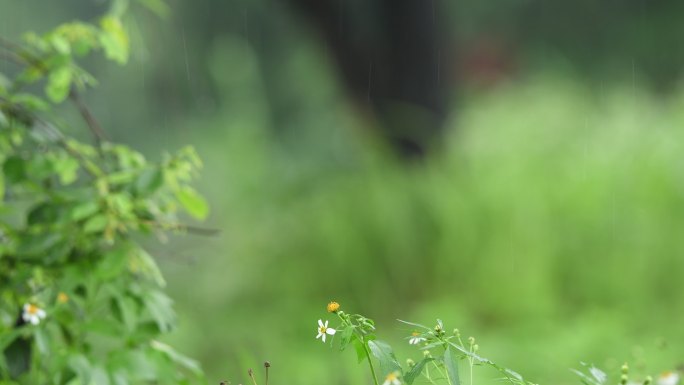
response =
{"points": [[326, 323], [320, 323], [330, 331], [35, 320], [40, 313], [323, 338]]}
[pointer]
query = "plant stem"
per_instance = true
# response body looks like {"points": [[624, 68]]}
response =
{"points": [[370, 361]]}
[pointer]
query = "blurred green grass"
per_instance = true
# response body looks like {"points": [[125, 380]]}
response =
{"points": [[548, 227]]}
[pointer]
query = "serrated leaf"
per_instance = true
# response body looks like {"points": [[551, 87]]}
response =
{"points": [[385, 356], [346, 337], [159, 306], [113, 263], [141, 262]]}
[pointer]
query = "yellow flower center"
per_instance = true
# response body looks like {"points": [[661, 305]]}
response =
{"points": [[62, 298], [415, 334], [333, 307], [391, 377], [322, 329], [32, 309]]}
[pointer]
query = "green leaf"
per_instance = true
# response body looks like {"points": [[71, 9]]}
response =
{"points": [[148, 182], [451, 365], [31, 102], [99, 376], [59, 84], [416, 370], [60, 44], [14, 169], [159, 306], [142, 263], [178, 358], [42, 341], [84, 210], [114, 39], [67, 169], [80, 365], [346, 337], [360, 349], [95, 224], [126, 311], [415, 324], [113, 263], [383, 352], [193, 203]]}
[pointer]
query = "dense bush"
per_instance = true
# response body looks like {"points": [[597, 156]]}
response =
{"points": [[81, 302]]}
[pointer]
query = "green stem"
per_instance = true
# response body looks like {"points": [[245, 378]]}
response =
{"points": [[370, 361], [346, 322]]}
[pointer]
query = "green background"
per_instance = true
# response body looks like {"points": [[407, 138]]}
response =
{"points": [[548, 225]]}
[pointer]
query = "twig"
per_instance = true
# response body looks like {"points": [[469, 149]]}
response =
{"points": [[23, 56], [183, 227], [11, 56], [98, 133]]}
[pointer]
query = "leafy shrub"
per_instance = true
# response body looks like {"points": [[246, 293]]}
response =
{"points": [[81, 302]]}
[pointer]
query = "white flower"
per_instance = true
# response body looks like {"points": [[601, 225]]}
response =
{"points": [[392, 379], [668, 378], [323, 329], [416, 338], [32, 314]]}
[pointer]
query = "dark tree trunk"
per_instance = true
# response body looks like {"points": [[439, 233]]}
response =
{"points": [[393, 58]]}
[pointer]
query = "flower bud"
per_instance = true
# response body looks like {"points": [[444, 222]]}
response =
{"points": [[410, 363], [333, 307], [624, 368], [623, 379], [476, 347], [648, 380], [471, 341]]}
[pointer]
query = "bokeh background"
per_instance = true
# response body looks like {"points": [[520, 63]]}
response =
{"points": [[514, 168]]}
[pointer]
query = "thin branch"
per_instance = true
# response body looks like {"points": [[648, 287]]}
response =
{"points": [[21, 54], [98, 133], [182, 227], [12, 57]]}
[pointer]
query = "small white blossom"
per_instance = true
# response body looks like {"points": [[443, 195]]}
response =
{"points": [[32, 314], [668, 378], [323, 329], [416, 339], [392, 379]]}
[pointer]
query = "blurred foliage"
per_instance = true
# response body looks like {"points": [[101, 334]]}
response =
{"points": [[548, 226], [81, 301]]}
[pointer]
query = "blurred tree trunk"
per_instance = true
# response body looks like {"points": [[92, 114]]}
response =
{"points": [[393, 58]]}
